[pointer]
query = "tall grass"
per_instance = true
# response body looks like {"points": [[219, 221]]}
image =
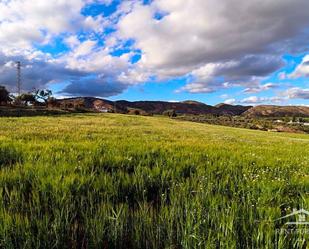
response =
{"points": [[113, 181]]}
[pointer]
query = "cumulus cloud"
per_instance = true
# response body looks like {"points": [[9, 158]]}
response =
{"points": [[226, 39], [22, 22], [248, 72], [297, 93], [36, 73], [100, 87], [24, 26], [82, 70], [230, 101], [195, 88], [213, 44], [261, 88], [302, 70], [254, 100]]}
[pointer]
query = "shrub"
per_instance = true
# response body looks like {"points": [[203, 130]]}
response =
{"points": [[170, 113], [4, 95]]}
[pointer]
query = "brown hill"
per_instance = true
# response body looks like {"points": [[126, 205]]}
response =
{"points": [[186, 107], [225, 109], [151, 107], [277, 111], [158, 107]]}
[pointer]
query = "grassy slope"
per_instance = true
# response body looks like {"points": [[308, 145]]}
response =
{"points": [[117, 181]]}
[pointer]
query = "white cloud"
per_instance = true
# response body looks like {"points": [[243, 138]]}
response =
{"points": [[84, 48], [206, 41], [72, 41], [230, 101], [87, 65], [195, 88], [23, 22], [282, 76], [297, 93], [247, 72], [302, 70], [254, 100], [198, 33], [224, 96], [261, 88]]}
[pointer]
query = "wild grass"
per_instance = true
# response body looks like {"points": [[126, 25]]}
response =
{"points": [[116, 181]]}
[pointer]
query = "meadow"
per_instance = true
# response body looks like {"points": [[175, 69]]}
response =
{"points": [[120, 181]]}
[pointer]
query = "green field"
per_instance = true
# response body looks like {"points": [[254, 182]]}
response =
{"points": [[116, 181]]}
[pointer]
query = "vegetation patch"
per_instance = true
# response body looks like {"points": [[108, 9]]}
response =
{"points": [[9, 155], [119, 181]]}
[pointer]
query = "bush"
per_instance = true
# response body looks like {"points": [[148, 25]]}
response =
{"points": [[4, 95], [170, 113], [138, 112]]}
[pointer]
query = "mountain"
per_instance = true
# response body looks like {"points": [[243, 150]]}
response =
{"points": [[277, 111], [150, 107], [185, 107], [225, 109], [158, 107]]}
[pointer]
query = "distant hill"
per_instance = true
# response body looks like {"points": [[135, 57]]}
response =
{"points": [[185, 107], [225, 109], [277, 111], [153, 107], [158, 107]]}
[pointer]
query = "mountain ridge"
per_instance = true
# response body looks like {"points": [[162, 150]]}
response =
{"points": [[184, 107]]}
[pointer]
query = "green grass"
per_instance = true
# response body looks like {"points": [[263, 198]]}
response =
{"points": [[116, 181]]}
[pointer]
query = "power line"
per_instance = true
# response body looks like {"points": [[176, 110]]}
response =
{"points": [[18, 64]]}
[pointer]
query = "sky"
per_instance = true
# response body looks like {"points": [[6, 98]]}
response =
{"points": [[232, 51]]}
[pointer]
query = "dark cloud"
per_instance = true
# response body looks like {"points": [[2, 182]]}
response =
{"points": [[239, 42], [36, 73], [99, 87], [217, 44], [248, 66], [247, 71], [205, 31]]}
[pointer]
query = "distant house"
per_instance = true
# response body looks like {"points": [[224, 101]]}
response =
{"points": [[296, 122], [278, 121], [102, 109], [100, 106], [305, 124]]}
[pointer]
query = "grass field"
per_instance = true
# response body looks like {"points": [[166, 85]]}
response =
{"points": [[116, 181]]}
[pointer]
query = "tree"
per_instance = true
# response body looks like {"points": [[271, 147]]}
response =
{"points": [[27, 98], [43, 95], [287, 119], [171, 113], [53, 103], [4, 95]]}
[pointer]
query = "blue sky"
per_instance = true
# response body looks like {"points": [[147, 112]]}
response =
{"points": [[159, 50]]}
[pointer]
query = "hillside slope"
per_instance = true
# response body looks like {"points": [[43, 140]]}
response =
{"points": [[154, 107], [186, 107], [277, 111]]}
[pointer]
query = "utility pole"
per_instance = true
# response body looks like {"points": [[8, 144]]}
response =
{"points": [[18, 64]]}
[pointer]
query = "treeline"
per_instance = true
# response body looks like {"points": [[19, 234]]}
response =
{"points": [[39, 97], [284, 124]]}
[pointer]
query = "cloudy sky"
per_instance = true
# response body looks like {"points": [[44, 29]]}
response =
{"points": [[233, 51]]}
